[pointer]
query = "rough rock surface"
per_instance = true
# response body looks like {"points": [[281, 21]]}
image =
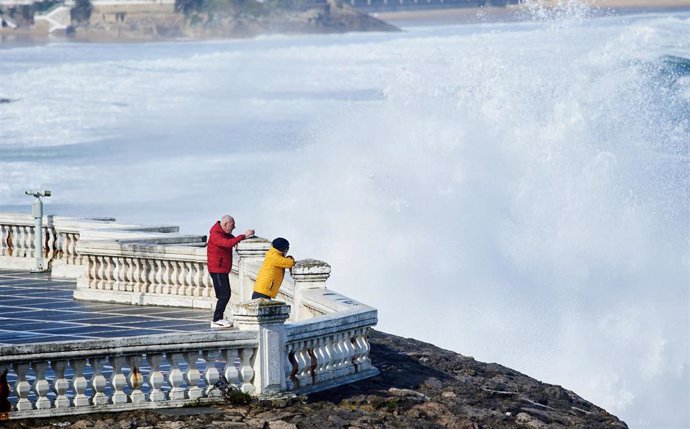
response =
{"points": [[420, 386]]}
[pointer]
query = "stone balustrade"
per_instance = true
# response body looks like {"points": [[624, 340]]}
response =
{"points": [[124, 373], [309, 339], [144, 274]]}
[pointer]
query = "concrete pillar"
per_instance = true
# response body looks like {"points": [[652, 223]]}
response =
{"points": [[250, 251], [268, 318], [308, 274]]}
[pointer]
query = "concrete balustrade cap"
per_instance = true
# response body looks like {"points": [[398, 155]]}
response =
{"points": [[311, 267], [255, 246], [262, 311]]}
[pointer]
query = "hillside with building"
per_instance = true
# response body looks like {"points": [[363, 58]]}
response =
{"points": [[151, 19]]}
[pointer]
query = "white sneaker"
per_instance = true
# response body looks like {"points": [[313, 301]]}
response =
{"points": [[226, 323], [218, 325]]}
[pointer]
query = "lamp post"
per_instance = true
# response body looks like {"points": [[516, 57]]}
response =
{"points": [[37, 212]]}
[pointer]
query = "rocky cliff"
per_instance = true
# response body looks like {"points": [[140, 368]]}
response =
{"points": [[420, 386]]}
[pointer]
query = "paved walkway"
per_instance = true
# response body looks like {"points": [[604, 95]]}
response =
{"points": [[37, 309]]}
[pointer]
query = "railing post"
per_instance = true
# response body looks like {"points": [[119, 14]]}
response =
{"points": [[308, 274], [268, 318], [250, 251]]}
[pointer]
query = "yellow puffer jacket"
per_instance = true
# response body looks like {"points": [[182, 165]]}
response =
{"points": [[271, 273]]}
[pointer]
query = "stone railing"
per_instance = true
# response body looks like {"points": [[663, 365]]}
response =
{"points": [[310, 338], [40, 380], [60, 238]]}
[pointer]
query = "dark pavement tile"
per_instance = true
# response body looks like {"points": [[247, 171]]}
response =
{"points": [[36, 309]]}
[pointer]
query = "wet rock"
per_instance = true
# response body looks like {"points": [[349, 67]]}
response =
{"points": [[526, 420], [403, 393], [433, 383], [81, 424], [280, 424]]}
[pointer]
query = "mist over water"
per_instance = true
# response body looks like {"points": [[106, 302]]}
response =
{"points": [[517, 192]]}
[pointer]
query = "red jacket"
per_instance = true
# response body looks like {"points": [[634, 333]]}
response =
{"points": [[219, 249]]}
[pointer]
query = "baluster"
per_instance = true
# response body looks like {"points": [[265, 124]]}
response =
{"points": [[332, 356], [181, 276], [47, 237], [124, 266], [159, 275], [189, 270], [321, 359], [176, 378], [129, 276], [66, 240], [198, 272], [366, 362], [156, 379], [165, 286], [98, 382], [119, 269], [290, 349], [80, 383], [41, 385], [193, 376], [109, 272], [172, 279], [359, 343], [357, 350], [16, 241], [61, 384], [79, 259], [136, 276], [350, 349], [143, 275], [135, 380], [22, 386], [92, 269], [119, 273], [303, 364], [4, 232], [100, 273], [246, 370], [344, 344], [28, 234], [211, 374], [342, 352], [9, 240], [232, 375], [152, 281], [207, 280], [73, 249], [118, 380], [133, 275], [62, 246], [335, 353]]}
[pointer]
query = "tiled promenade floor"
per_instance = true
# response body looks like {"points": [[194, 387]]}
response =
{"points": [[37, 309]]}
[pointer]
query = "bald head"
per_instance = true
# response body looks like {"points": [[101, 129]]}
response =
{"points": [[227, 222]]}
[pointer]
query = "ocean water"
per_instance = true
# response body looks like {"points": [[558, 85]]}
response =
{"points": [[514, 191]]}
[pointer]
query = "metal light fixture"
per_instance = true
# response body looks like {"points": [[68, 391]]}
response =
{"points": [[37, 212]]}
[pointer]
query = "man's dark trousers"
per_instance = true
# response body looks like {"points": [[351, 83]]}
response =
{"points": [[221, 284]]}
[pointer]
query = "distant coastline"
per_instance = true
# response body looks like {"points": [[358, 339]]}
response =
{"points": [[373, 21], [466, 15]]}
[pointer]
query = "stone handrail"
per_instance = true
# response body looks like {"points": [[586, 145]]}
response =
{"points": [[310, 338], [124, 373]]}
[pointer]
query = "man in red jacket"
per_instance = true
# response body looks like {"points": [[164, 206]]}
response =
{"points": [[219, 256]]}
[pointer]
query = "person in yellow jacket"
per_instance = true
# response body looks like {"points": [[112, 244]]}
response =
{"points": [[272, 271]]}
